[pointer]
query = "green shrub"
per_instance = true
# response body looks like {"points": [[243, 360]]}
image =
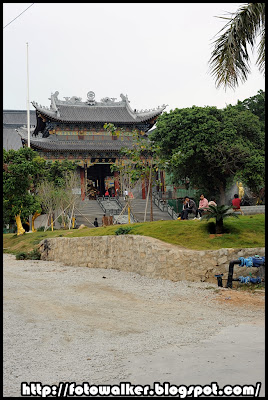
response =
{"points": [[31, 255], [122, 230], [34, 255], [41, 229], [21, 256]]}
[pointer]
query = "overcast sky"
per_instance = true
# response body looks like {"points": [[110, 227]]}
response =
{"points": [[156, 53]]}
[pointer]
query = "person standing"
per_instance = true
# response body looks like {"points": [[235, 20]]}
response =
{"points": [[125, 194], [203, 204], [96, 224]]}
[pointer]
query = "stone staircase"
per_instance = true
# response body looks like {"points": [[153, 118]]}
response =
{"points": [[115, 207], [90, 209], [138, 209]]}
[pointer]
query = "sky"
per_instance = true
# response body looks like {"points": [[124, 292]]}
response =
{"points": [[155, 53]]}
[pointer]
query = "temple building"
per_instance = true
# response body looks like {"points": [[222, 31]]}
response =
{"points": [[74, 129]]}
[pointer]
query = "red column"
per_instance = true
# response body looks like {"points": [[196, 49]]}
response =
{"points": [[82, 180], [162, 181], [116, 181], [143, 189]]}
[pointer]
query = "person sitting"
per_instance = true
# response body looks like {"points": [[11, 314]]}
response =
{"points": [[188, 207], [203, 204], [107, 194], [212, 202], [236, 204]]}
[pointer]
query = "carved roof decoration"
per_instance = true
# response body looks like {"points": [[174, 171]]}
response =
{"points": [[73, 109]]}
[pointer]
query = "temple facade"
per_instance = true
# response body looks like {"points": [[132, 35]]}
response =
{"points": [[73, 129]]}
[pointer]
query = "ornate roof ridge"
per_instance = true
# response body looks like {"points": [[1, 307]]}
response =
{"points": [[91, 102]]}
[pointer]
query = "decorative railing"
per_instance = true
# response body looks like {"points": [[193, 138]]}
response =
{"points": [[113, 211], [163, 205], [171, 212]]}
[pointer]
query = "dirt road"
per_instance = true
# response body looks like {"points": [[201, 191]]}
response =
{"points": [[74, 324]]}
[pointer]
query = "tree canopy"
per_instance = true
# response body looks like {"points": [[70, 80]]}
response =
{"points": [[23, 171], [255, 104], [19, 170], [210, 147]]}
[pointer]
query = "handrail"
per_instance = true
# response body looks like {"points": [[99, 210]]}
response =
{"points": [[113, 211], [161, 204], [171, 212]]}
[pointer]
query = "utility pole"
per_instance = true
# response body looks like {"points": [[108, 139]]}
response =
{"points": [[28, 109], [28, 125]]}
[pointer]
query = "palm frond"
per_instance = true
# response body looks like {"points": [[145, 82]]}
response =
{"points": [[230, 60], [218, 212], [261, 53]]}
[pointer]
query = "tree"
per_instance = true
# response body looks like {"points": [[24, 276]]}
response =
{"points": [[58, 195], [212, 147], [229, 60], [255, 104], [23, 171], [142, 159], [48, 198], [56, 171], [19, 170], [219, 213]]}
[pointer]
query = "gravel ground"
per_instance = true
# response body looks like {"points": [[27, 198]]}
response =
{"points": [[103, 326]]}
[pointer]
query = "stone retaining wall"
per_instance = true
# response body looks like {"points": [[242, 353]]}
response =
{"points": [[146, 256]]}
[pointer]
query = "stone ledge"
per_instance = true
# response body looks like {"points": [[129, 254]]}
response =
{"points": [[146, 256]]}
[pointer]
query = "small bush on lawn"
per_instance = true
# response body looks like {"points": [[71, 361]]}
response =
{"points": [[21, 256], [122, 230], [31, 255], [41, 229]]}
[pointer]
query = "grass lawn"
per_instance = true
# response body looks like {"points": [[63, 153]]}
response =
{"points": [[245, 231]]}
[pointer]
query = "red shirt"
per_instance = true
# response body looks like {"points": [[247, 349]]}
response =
{"points": [[236, 203]]}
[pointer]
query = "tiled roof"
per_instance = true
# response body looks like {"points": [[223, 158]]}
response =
{"points": [[86, 113], [18, 117], [80, 145], [11, 139], [90, 143]]}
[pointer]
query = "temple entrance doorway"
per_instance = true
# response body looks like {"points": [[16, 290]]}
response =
{"points": [[99, 179]]}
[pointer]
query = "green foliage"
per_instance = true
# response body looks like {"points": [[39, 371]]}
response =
{"points": [[123, 230], [139, 162], [21, 255], [56, 171], [144, 155], [211, 147], [229, 60], [19, 171], [255, 104], [31, 255], [243, 232], [23, 172], [219, 213], [114, 131]]}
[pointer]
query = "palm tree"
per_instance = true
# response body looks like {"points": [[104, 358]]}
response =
{"points": [[219, 213], [230, 60]]}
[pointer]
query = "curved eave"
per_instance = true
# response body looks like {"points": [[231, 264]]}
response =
{"points": [[137, 118], [49, 146]]}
